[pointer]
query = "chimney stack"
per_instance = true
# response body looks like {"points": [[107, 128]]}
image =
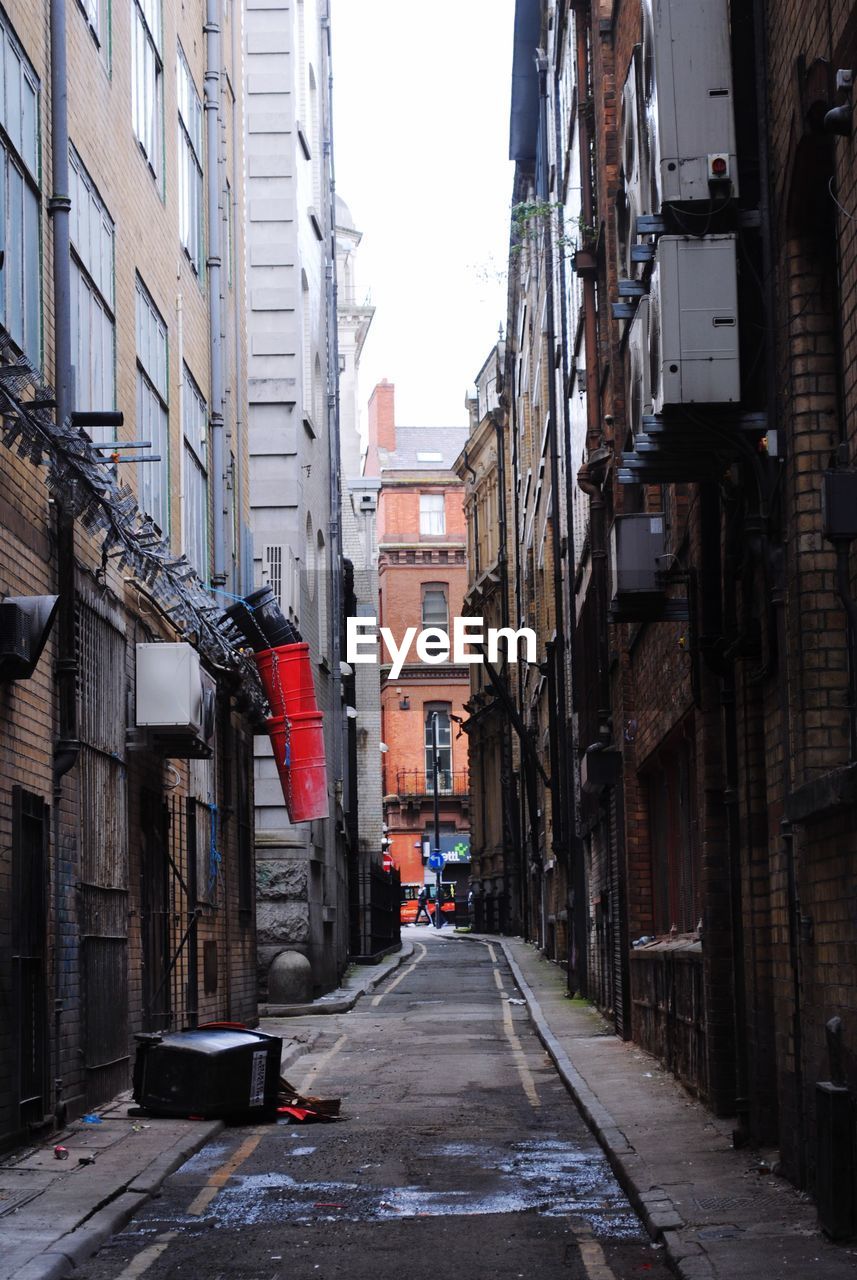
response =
{"points": [[382, 424]]}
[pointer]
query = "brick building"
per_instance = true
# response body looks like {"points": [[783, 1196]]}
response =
{"points": [[499, 874], [683, 221], [422, 580], [127, 863]]}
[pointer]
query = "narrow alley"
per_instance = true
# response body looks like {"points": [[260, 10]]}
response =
{"points": [[460, 1153]]}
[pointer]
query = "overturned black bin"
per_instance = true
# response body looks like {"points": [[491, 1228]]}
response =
{"points": [[211, 1071]]}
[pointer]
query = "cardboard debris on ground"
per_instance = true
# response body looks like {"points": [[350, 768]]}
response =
{"points": [[305, 1108]]}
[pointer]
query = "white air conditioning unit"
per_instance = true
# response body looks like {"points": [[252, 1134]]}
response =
{"points": [[635, 153], [687, 92], [639, 377], [693, 322], [176, 700], [636, 557]]}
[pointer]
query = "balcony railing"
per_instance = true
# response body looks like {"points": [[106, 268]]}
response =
{"points": [[416, 782]]}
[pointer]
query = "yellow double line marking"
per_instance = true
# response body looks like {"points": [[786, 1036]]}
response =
{"points": [[404, 974]]}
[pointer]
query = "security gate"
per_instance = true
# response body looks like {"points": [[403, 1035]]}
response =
{"points": [[103, 885], [29, 925]]}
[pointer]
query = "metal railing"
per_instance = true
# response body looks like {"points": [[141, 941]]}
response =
{"points": [[418, 782]]}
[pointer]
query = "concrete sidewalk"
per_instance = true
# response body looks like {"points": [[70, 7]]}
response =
{"points": [[54, 1214], [721, 1213]]}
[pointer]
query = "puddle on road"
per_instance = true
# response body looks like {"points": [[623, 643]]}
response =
{"points": [[550, 1177]]}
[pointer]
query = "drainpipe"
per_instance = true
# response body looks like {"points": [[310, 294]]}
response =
{"points": [[760, 25], [558, 710], [467, 467], [243, 580], [66, 746], [577, 879], [214, 264], [529, 796], [334, 463], [509, 791]]}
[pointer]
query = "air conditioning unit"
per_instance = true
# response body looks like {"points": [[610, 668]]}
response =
{"points": [[687, 93], [25, 624], [639, 377], [693, 322], [636, 559], [176, 700], [636, 143]]}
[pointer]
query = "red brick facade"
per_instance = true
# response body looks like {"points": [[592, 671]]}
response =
{"points": [[413, 561]]}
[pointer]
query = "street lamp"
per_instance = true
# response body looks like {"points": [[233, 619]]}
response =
{"points": [[438, 860]]}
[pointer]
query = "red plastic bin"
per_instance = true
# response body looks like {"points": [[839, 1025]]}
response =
{"points": [[286, 675], [298, 743]]}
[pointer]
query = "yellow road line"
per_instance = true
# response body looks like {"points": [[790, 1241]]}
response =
{"points": [[147, 1256], [222, 1175], [392, 987], [492, 953], [322, 1062], [592, 1256], [499, 981], [524, 1072]]}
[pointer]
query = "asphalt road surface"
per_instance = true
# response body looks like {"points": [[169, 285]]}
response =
{"points": [[460, 1154]]}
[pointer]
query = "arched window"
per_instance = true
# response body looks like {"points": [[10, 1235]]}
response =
{"points": [[444, 747], [310, 558], [435, 610], [321, 575]]}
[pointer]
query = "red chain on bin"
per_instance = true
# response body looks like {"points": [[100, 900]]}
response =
{"points": [[287, 761]]}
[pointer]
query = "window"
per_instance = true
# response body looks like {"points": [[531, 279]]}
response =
{"points": [[321, 571], [444, 749], [92, 297], [190, 165], [432, 515], [98, 16], [195, 500], [152, 412], [435, 605], [20, 229], [147, 79]]}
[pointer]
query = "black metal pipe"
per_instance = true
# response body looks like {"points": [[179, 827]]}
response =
{"points": [[66, 746], [558, 708]]}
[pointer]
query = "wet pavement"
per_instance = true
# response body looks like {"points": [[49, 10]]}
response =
{"points": [[460, 1153]]}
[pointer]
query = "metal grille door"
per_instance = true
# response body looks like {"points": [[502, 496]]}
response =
{"points": [[29, 926], [103, 903]]}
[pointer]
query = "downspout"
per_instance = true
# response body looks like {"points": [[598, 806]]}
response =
{"points": [[509, 791], [779, 597], [334, 464], [588, 479], [529, 805], [214, 265], [577, 879], [467, 467], [559, 706], [243, 581], [66, 745]]}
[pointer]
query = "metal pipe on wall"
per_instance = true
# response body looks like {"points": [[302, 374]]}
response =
{"points": [[334, 463], [215, 265], [66, 746], [244, 576]]}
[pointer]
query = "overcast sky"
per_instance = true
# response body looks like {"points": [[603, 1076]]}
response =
{"points": [[421, 142]]}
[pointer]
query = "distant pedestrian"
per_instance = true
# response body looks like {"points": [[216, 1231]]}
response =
{"points": [[471, 902], [422, 906]]}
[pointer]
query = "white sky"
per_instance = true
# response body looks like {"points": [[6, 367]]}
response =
{"points": [[421, 95]]}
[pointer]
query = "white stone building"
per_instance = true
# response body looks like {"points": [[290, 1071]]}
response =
{"points": [[302, 889]]}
